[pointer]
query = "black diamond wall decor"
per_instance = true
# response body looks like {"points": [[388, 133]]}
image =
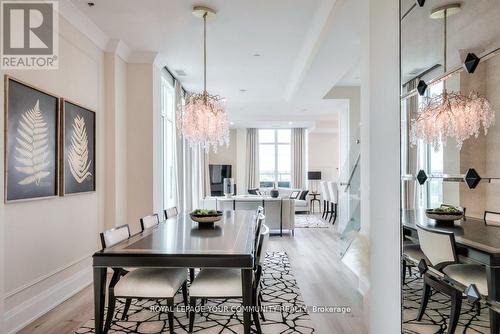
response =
{"points": [[422, 266], [472, 294], [472, 178], [421, 177], [471, 62], [421, 87], [421, 3]]}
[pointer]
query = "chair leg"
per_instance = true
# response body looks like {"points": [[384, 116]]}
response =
{"points": [[331, 212], [185, 293], [456, 305], [170, 313], [127, 306], [259, 303], [257, 322], [478, 309], [403, 271], [111, 311], [192, 303], [335, 214], [191, 275], [426, 293], [324, 209]]}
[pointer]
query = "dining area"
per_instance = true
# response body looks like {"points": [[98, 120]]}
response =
{"points": [[183, 263]]}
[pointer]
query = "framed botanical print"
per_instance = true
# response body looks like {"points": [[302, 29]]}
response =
{"points": [[78, 149], [31, 142]]}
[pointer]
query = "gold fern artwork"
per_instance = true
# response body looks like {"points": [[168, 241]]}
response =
{"points": [[78, 155], [32, 147]]}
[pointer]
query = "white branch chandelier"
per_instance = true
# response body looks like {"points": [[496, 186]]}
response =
{"points": [[202, 120], [451, 114]]}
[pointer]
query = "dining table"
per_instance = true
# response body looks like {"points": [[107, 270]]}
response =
{"points": [[180, 242], [475, 241]]}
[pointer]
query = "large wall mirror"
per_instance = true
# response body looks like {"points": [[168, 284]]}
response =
{"points": [[450, 166]]}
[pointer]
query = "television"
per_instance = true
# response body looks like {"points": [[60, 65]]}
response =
{"points": [[217, 175]]}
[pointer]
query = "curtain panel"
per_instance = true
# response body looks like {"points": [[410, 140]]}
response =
{"points": [[299, 158], [192, 172], [253, 178]]}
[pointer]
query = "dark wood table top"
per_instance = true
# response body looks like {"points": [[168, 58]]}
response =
{"points": [[180, 237], [471, 232]]}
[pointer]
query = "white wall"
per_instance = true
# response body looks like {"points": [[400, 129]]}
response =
{"points": [[226, 155], [40, 251], [323, 154]]}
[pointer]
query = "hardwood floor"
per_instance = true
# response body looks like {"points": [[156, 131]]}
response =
{"points": [[322, 278]]}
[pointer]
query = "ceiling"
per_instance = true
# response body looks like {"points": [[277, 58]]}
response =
{"points": [[476, 28], [285, 54]]}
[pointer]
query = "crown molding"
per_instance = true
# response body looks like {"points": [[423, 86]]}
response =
{"points": [[119, 48], [81, 22], [143, 57]]}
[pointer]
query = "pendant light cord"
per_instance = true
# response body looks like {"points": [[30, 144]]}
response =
{"points": [[445, 46], [205, 53]]}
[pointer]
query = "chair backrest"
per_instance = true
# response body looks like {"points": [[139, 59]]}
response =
{"points": [[492, 218], [332, 191], [324, 191], [262, 245], [149, 221], [437, 246], [115, 235], [171, 212], [258, 227]]}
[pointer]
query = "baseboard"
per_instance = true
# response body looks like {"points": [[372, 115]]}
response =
{"points": [[33, 308]]}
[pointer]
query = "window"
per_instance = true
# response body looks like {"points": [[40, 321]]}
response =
{"points": [[275, 162], [168, 143]]}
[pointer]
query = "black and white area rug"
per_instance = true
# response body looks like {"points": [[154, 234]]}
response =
{"points": [[280, 292], [310, 221], [437, 314]]}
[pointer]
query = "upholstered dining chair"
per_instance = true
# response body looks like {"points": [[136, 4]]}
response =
{"points": [[142, 283], [171, 212], [226, 283], [149, 221], [412, 254], [492, 218], [333, 194], [326, 199], [440, 251]]}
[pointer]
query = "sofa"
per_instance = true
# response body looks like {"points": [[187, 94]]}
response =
{"points": [[279, 212], [301, 205]]}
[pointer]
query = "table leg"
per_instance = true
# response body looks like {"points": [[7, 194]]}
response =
{"points": [[99, 298], [493, 277], [246, 278]]}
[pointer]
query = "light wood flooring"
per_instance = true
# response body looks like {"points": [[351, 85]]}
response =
{"points": [[322, 278]]}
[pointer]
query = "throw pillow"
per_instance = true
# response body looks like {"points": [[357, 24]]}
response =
{"points": [[303, 195]]}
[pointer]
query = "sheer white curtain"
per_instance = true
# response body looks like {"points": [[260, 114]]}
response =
{"points": [[252, 158], [299, 158], [192, 171]]}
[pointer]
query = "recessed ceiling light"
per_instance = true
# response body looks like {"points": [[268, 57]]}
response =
{"points": [[303, 110], [231, 123], [256, 54], [243, 90], [290, 123], [91, 4]]}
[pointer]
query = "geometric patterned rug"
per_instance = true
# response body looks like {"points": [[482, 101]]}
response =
{"points": [[285, 311], [437, 314], [310, 221]]}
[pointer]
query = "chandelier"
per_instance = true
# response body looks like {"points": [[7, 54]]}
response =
{"points": [[451, 114], [202, 119]]}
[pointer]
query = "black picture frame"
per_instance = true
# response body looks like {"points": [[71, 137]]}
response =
{"points": [[78, 149], [31, 153]]}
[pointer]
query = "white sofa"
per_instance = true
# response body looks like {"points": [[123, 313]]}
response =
{"points": [[279, 212], [300, 205]]}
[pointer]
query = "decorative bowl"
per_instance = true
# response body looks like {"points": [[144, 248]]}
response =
{"points": [[444, 217], [208, 218]]}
